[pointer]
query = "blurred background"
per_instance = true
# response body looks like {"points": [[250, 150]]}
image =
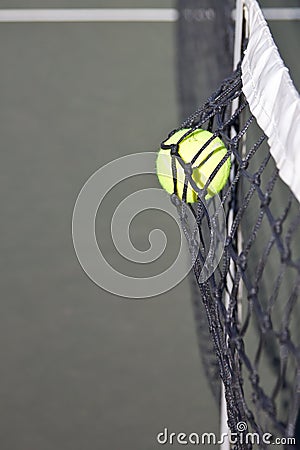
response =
{"points": [[82, 368]]}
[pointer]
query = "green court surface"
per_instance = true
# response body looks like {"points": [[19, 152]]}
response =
{"points": [[82, 368]]}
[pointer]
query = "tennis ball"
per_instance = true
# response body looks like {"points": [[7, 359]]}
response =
{"points": [[202, 168]]}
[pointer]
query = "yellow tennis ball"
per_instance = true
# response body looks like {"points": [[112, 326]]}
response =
{"points": [[202, 168]]}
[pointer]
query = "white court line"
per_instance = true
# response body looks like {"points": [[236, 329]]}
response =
{"points": [[281, 13], [120, 15], [89, 15], [278, 13]]}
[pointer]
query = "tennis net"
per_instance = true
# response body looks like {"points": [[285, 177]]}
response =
{"points": [[251, 300]]}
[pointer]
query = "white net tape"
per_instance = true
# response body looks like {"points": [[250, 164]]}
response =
{"points": [[272, 97]]}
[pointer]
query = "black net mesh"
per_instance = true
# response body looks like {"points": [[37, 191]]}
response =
{"points": [[247, 310]]}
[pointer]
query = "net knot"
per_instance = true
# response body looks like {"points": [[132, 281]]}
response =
{"points": [[266, 323], [238, 342], [228, 241], [217, 294], [194, 244], [257, 179], [254, 378], [266, 200], [184, 217], [252, 293], [284, 336], [242, 261], [174, 150], [244, 164], [175, 200], [277, 227], [188, 169]]}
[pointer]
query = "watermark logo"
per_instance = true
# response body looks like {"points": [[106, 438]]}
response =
{"points": [[92, 259], [242, 426], [242, 436]]}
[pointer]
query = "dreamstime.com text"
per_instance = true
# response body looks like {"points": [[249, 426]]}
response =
{"points": [[242, 436]]}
